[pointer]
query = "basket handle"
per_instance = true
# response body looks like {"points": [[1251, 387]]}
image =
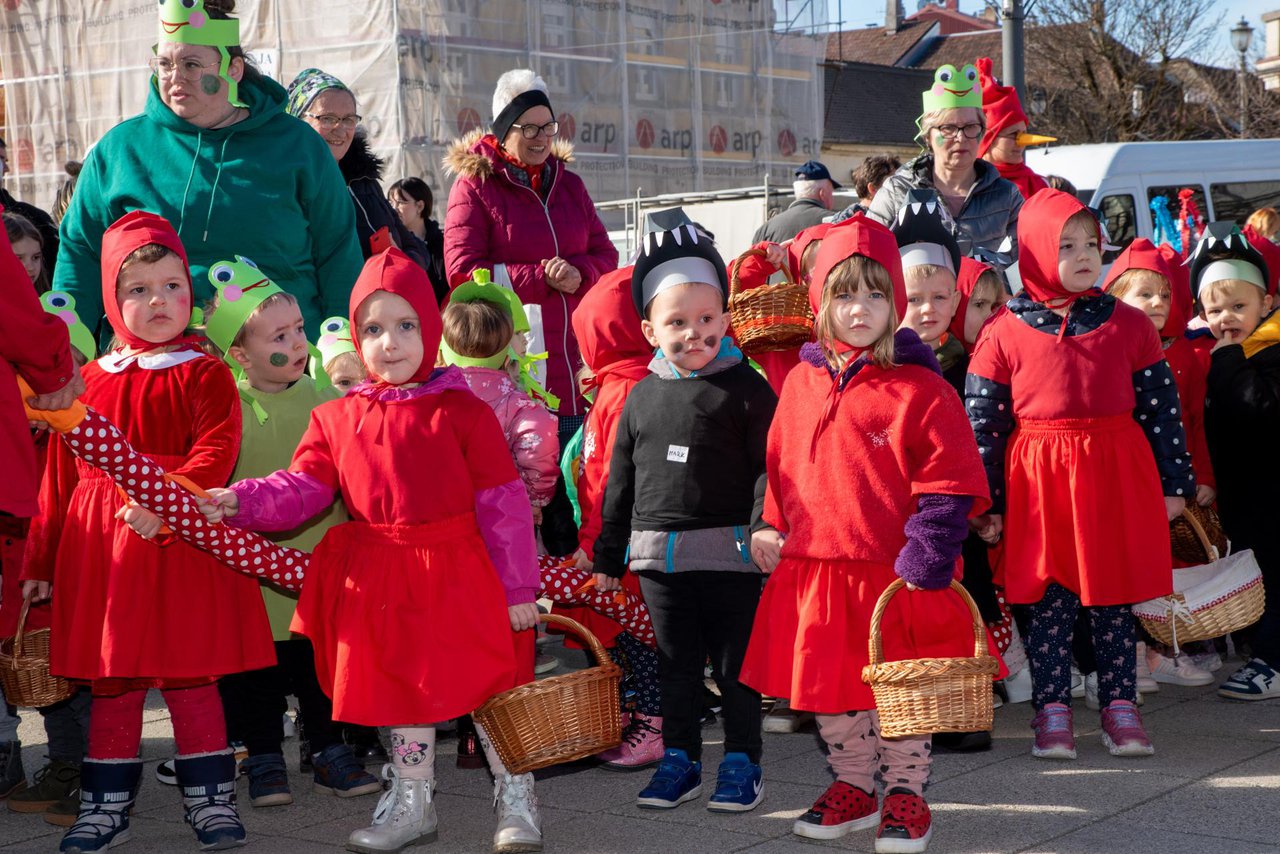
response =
{"points": [[598, 651], [1210, 549], [735, 286], [22, 627], [875, 644]]}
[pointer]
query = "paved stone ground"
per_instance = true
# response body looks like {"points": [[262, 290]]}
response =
{"points": [[1213, 786]]}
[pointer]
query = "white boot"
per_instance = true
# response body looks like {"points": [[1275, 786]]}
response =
{"points": [[519, 826], [405, 815]]}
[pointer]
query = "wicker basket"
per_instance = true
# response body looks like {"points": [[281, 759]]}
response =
{"points": [[559, 719], [770, 317], [1170, 620], [927, 695], [1188, 544], [24, 668]]}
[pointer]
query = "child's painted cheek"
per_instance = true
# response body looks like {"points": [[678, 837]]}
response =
{"points": [[710, 340], [279, 360], [677, 348]]}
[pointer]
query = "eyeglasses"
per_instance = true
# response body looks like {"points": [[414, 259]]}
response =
{"points": [[187, 69], [329, 122], [973, 130], [532, 131]]}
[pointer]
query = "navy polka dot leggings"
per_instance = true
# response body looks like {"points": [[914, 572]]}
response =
{"points": [[1049, 634], [639, 689]]}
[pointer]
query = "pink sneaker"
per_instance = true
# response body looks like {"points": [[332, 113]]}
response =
{"points": [[1122, 730], [641, 745], [1055, 738]]}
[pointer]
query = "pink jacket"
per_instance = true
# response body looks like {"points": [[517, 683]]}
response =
{"points": [[530, 430], [495, 217]]}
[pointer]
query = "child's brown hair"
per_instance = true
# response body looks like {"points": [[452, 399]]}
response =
{"points": [[477, 329], [243, 331], [1136, 277], [847, 277]]}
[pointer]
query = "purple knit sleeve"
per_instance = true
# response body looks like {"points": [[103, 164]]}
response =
{"points": [[935, 533], [506, 523], [279, 502]]}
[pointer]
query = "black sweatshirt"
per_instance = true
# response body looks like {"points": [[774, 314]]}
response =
{"points": [[689, 454]]}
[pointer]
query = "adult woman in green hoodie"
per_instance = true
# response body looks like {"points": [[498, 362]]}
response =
{"points": [[251, 181]]}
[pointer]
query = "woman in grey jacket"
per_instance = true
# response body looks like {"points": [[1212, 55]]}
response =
{"points": [[983, 206]]}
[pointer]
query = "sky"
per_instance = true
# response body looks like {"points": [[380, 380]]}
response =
{"points": [[859, 12]]}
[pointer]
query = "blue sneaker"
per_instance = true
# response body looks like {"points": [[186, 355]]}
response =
{"points": [[1257, 680], [677, 780], [739, 785]]}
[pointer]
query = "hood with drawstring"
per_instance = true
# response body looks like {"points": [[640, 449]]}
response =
{"points": [[266, 188]]}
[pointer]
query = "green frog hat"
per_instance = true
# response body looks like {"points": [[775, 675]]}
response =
{"points": [[952, 89], [481, 288], [187, 22], [334, 340], [63, 305]]}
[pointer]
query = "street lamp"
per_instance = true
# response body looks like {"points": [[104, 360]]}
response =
{"points": [[1241, 35]]}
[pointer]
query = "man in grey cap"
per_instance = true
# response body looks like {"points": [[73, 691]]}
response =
{"points": [[813, 187]]}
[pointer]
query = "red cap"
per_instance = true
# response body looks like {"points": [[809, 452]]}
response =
{"points": [[130, 232], [971, 269], [393, 271], [1269, 252], [1000, 105], [1163, 260], [858, 235]]}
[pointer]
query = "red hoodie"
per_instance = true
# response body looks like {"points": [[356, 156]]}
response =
{"points": [[1003, 110]]}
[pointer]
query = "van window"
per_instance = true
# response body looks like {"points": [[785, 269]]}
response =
{"points": [[1239, 199], [1119, 213], [1175, 205]]}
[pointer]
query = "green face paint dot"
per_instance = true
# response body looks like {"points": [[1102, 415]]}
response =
{"points": [[279, 360], [210, 84]]}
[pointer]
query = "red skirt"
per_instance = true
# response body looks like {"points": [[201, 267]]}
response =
{"points": [[409, 622], [129, 613], [1085, 509], [809, 641]]}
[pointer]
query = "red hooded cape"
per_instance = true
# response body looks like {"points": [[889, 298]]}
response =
{"points": [[1269, 252], [394, 272], [614, 348], [1142, 254], [1039, 232], [131, 232]]}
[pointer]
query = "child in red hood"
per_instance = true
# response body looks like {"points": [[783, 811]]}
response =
{"points": [[410, 606], [1082, 377], [981, 294], [753, 271], [133, 610], [1153, 280], [616, 352], [871, 477]]}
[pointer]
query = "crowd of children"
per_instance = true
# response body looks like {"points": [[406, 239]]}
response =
{"points": [[388, 498]]}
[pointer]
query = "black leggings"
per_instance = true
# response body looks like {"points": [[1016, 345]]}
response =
{"points": [[699, 616], [254, 702], [1051, 625]]}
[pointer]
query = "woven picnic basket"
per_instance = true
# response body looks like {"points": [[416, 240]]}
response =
{"points": [[770, 317], [1222, 596], [559, 719], [24, 667], [925, 695], [1188, 546]]}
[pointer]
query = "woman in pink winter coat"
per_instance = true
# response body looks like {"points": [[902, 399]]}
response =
{"points": [[516, 209]]}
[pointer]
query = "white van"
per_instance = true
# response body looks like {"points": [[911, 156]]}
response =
{"points": [[1231, 179]]}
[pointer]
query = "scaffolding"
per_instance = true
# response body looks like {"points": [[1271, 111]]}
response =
{"points": [[656, 97]]}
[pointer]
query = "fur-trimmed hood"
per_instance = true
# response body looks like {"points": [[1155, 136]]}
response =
{"points": [[468, 157], [360, 161]]}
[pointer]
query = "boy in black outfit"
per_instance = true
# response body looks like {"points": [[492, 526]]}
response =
{"points": [[687, 466]]}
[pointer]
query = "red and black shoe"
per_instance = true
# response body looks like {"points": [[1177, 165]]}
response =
{"points": [[842, 809], [905, 824]]}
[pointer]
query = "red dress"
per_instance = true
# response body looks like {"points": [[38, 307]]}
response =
{"points": [[1084, 502], [891, 435], [403, 605], [129, 613]]}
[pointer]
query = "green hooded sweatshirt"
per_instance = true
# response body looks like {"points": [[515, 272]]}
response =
{"points": [[266, 188]]}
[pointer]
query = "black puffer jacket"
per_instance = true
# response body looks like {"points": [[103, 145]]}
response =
{"points": [[362, 170], [989, 214]]}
